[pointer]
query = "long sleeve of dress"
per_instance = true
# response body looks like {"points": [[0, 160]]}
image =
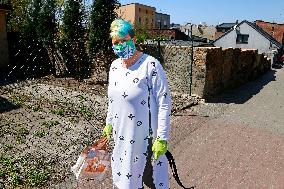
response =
{"points": [[109, 116], [162, 96]]}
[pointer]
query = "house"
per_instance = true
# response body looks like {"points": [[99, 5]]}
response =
{"points": [[274, 29], [4, 57], [175, 26], [248, 35], [201, 30], [137, 13], [162, 21], [221, 29], [143, 15]]}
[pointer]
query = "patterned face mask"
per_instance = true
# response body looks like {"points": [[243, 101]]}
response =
{"points": [[124, 50]]}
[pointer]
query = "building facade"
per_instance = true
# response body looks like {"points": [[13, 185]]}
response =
{"points": [[4, 53], [138, 14], [162, 21]]}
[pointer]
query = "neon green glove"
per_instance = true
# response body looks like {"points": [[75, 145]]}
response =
{"points": [[107, 131], [159, 147]]}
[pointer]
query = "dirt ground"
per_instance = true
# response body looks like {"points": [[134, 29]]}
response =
{"points": [[44, 126]]}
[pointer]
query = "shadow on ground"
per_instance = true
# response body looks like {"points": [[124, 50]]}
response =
{"points": [[245, 92], [6, 106]]}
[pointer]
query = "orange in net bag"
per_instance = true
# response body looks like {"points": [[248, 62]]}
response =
{"points": [[93, 162]]}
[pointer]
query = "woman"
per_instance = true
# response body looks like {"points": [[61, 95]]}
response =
{"points": [[138, 113]]}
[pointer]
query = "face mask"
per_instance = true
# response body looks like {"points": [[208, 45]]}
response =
{"points": [[124, 50]]}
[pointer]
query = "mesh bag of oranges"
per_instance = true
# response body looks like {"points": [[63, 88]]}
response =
{"points": [[93, 162]]}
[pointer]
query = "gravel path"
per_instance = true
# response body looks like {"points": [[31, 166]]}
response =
{"points": [[224, 155], [241, 142], [258, 104]]}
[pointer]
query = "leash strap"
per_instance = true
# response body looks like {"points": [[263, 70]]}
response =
{"points": [[174, 169]]}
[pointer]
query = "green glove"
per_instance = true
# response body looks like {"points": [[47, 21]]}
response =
{"points": [[107, 131], [159, 147]]}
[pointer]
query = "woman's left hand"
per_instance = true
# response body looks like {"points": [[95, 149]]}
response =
{"points": [[159, 148]]}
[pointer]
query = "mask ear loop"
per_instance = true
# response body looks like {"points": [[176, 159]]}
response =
{"points": [[128, 50]]}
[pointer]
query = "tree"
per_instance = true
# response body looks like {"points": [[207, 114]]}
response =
{"points": [[46, 28], [102, 14], [16, 18], [142, 33], [33, 11], [73, 38], [47, 33], [30, 44]]}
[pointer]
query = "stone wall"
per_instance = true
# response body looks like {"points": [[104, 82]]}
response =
{"points": [[214, 69], [176, 62]]}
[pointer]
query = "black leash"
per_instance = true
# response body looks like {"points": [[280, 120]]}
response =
{"points": [[174, 169]]}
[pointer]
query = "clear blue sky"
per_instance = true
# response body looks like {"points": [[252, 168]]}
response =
{"points": [[214, 11]]}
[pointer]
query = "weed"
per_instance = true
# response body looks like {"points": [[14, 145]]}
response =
{"points": [[36, 108], [86, 112], [23, 131], [21, 135], [58, 112], [8, 165], [49, 124], [17, 100], [2, 173], [37, 177], [7, 147], [82, 98], [40, 133], [6, 160], [20, 139], [14, 179]]}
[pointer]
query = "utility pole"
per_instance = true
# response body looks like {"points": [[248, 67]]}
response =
{"points": [[159, 40]]}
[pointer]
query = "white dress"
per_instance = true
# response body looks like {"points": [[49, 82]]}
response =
{"points": [[128, 112]]}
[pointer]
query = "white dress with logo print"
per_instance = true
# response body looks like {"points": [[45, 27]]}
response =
{"points": [[128, 112]]}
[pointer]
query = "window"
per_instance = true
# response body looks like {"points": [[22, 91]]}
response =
{"points": [[165, 23], [242, 39], [139, 10], [139, 19], [146, 11]]}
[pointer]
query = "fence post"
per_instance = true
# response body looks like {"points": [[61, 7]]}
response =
{"points": [[191, 62]]}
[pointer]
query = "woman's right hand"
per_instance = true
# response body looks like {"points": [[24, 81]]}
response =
{"points": [[107, 131]]}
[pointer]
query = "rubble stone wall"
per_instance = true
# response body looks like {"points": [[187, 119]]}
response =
{"points": [[214, 69]]}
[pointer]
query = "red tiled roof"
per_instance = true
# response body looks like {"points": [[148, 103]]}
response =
{"points": [[274, 29]]}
